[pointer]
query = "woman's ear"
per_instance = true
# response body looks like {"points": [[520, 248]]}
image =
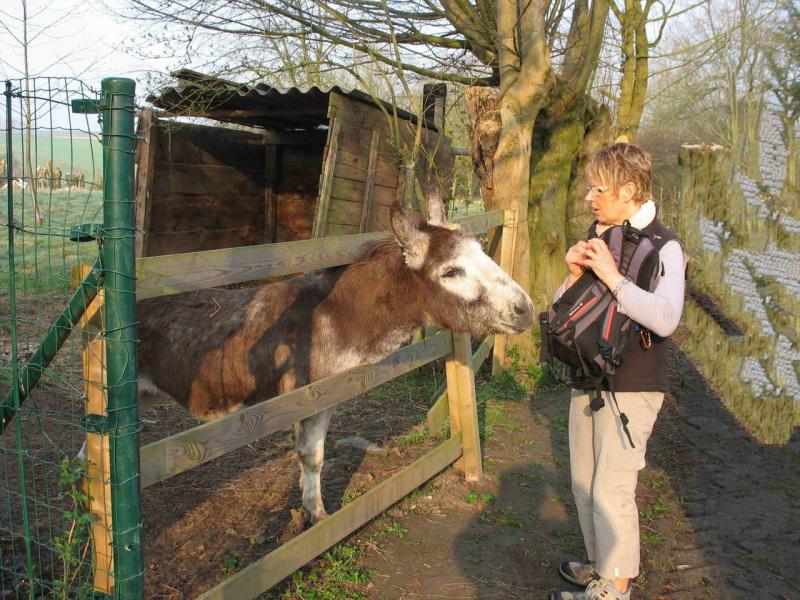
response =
{"points": [[628, 191]]}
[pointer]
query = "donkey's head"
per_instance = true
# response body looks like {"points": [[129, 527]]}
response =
{"points": [[461, 288]]}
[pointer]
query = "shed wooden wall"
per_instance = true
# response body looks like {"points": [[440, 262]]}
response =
{"points": [[361, 175], [199, 188]]}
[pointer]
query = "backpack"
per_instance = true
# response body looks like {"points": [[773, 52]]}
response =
{"points": [[584, 328]]}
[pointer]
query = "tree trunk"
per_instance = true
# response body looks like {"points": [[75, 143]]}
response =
{"points": [[558, 139], [485, 126], [597, 120]]}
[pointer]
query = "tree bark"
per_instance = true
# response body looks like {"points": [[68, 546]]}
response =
{"points": [[597, 121]]}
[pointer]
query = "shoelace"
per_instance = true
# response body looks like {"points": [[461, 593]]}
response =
{"points": [[596, 589]]}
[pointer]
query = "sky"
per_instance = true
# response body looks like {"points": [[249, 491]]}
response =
{"points": [[69, 38]]}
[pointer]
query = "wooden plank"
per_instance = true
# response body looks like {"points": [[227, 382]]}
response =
{"points": [[347, 189], [366, 207], [296, 138], [438, 412], [184, 213], [358, 140], [164, 275], [145, 155], [463, 406], [341, 229], [200, 179], [326, 181], [507, 245], [196, 446], [352, 165], [345, 212], [262, 574], [172, 242], [97, 484], [383, 196], [270, 188], [208, 145], [366, 117]]}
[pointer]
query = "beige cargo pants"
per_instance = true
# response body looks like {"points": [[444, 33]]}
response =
{"points": [[604, 471]]}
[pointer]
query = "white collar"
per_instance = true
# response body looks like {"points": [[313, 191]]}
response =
{"points": [[641, 218]]}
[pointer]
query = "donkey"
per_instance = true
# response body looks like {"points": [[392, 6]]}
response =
{"points": [[215, 351]]}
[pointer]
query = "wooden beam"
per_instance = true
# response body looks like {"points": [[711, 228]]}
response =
{"points": [[366, 207], [175, 273], [97, 485], [145, 157], [438, 412], [463, 407], [261, 575], [326, 180], [180, 452], [270, 194], [507, 264]]}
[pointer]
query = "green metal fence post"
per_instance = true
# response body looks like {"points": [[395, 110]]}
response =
{"points": [[117, 254]]}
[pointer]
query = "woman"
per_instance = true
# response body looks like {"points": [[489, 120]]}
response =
{"points": [[604, 465]]}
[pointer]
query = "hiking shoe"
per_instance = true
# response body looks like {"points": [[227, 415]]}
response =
{"points": [[577, 572], [598, 589]]}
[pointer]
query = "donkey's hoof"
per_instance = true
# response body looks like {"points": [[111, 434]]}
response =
{"points": [[318, 516]]}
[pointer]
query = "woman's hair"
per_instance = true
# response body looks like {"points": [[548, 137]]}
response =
{"points": [[620, 163]]}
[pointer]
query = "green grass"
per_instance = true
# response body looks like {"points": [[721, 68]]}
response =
{"points": [[651, 538], [336, 575], [501, 388], [43, 254], [504, 517], [414, 437]]}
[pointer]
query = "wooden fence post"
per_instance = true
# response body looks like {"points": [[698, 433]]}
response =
{"points": [[98, 475], [462, 406], [506, 251]]}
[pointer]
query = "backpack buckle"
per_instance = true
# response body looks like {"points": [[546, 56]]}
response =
{"points": [[644, 339], [630, 233]]}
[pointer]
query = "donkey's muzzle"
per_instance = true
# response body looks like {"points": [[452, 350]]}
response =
{"points": [[522, 313]]}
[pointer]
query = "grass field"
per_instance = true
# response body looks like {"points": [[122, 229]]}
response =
{"points": [[73, 152], [44, 254]]}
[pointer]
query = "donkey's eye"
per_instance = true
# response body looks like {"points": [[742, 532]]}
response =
{"points": [[453, 272]]}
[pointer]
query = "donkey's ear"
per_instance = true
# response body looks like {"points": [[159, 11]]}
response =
{"points": [[406, 231]]}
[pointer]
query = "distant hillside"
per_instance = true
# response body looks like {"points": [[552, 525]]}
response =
{"points": [[78, 152]]}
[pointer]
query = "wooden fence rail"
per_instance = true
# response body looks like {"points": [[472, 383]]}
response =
{"points": [[164, 275], [175, 273]]}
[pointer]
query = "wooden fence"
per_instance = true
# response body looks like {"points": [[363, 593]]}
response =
{"points": [[164, 275]]}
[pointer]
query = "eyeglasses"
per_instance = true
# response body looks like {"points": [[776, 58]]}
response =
{"points": [[593, 190]]}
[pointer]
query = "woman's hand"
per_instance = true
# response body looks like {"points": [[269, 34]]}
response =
{"points": [[600, 260], [575, 258]]}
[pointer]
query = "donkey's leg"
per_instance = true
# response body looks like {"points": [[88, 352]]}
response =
{"points": [[310, 443]]}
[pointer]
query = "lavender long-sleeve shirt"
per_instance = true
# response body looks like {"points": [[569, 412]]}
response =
{"points": [[659, 311]]}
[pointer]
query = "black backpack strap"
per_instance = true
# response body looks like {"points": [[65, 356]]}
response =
{"points": [[622, 416]]}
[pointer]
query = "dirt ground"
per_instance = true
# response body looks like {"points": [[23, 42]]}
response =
{"points": [[720, 512]]}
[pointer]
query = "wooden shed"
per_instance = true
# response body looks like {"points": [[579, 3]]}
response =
{"points": [[275, 165]]}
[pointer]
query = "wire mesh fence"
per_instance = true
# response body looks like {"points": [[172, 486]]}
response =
{"points": [[55, 498]]}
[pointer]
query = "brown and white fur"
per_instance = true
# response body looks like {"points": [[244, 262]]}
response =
{"points": [[215, 351]]}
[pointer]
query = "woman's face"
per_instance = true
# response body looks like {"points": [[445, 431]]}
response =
{"points": [[611, 207]]}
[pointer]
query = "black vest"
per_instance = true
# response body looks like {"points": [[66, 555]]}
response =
{"points": [[643, 370]]}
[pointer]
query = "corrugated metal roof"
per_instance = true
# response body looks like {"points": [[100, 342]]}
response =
{"points": [[256, 105]]}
